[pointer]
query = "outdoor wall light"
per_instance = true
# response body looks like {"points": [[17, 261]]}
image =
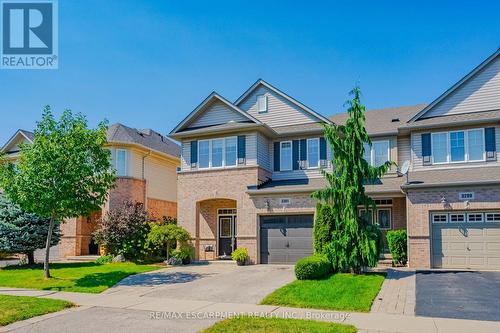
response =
{"points": [[444, 201], [268, 205]]}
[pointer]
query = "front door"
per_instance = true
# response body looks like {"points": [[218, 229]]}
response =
{"points": [[227, 236]]}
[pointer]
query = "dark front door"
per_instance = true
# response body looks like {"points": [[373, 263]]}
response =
{"points": [[227, 236], [284, 239]]}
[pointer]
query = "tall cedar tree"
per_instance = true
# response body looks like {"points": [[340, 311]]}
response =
{"points": [[354, 243], [65, 173]]}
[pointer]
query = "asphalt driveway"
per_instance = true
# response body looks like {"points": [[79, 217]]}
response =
{"points": [[458, 294], [223, 282]]}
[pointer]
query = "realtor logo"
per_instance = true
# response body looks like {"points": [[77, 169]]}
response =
{"points": [[29, 35]]}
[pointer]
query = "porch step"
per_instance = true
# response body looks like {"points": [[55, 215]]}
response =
{"points": [[385, 263], [385, 256], [82, 258]]}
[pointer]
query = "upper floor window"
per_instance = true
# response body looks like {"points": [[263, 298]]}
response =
{"points": [[262, 103], [458, 146], [313, 153], [378, 153], [217, 153], [286, 155], [121, 162]]}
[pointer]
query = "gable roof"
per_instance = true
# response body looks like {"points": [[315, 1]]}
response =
{"points": [[456, 85], [385, 121], [200, 108], [19, 133], [119, 133], [292, 100]]}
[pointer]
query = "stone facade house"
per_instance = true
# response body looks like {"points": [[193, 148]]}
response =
{"points": [[146, 165], [248, 168]]}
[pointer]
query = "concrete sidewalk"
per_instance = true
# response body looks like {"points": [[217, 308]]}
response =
{"points": [[213, 310]]}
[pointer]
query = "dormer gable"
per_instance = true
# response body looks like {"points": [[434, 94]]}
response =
{"points": [[478, 91], [12, 146], [214, 110], [275, 108]]}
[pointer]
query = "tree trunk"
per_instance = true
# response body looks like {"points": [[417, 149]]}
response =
{"points": [[31, 258], [168, 250], [46, 271]]}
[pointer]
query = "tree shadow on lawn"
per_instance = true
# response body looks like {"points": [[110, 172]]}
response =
{"points": [[52, 266], [164, 278]]}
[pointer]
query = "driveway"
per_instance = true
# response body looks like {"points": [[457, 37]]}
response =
{"points": [[458, 294], [223, 282]]}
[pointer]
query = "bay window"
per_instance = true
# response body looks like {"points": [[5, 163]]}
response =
{"points": [[231, 151], [204, 153], [475, 144], [457, 146], [440, 147], [121, 162], [286, 156], [217, 147]]}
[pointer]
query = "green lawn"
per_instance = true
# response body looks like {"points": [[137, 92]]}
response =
{"points": [[339, 291], [85, 277], [276, 325], [15, 308]]}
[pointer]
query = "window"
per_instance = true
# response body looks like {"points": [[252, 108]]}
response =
{"points": [[217, 150], [457, 218], [368, 216], [217, 153], [493, 217], [286, 156], [121, 162], [378, 153], [384, 218], [204, 154], [313, 153], [475, 217], [439, 218], [457, 146], [383, 202], [440, 147], [262, 103], [367, 154], [475, 144], [231, 151]]}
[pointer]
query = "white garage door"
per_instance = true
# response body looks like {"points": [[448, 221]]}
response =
{"points": [[466, 240]]}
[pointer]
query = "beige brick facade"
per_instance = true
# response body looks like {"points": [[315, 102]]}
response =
{"points": [[421, 202]]}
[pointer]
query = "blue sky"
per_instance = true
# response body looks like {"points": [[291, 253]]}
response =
{"points": [[149, 63]]}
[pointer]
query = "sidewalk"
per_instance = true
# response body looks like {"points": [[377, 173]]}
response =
{"points": [[365, 322]]}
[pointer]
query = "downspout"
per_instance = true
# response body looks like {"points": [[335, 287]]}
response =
{"points": [[144, 179]]}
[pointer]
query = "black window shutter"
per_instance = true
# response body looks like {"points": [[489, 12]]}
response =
{"points": [[303, 149], [295, 154], [426, 148], [241, 149], [276, 156], [490, 138], [322, 148], [194, 153]]}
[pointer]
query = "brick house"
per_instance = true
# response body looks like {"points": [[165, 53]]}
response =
{"points": [[248, 168], [146, 164]]}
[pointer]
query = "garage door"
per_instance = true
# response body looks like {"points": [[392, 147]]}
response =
{"points": [[285, 239], [466, 240]]}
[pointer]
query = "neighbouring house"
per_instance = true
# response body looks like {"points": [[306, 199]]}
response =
{"points": [[248, 168], [146, 165]]}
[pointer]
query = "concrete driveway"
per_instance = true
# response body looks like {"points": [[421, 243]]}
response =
{"points": [[224, 282], [458, 294]]}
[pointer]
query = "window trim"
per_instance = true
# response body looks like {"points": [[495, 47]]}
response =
{"points": [[389, 209], [265, 103], [444, 214], [125, 173], [307, 154], [281, 155], [372, 150], [223, 166], [466, 146]]}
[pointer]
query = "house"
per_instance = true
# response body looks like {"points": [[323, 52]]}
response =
{"points": [[248, 168], [146, 164]]}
